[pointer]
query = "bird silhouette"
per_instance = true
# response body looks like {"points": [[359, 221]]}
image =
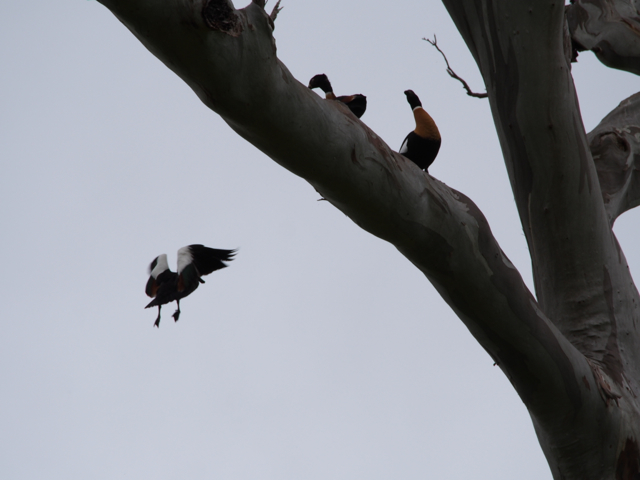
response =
{"points": [[194, 261]]}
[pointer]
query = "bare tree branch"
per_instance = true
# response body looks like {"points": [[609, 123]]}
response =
{"points": [[615, 146], [439, 230], [610, 29], [453, 74]]}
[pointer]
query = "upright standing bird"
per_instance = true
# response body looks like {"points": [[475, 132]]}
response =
{"points": [[194, 261], [421, 146], [357, 103]]}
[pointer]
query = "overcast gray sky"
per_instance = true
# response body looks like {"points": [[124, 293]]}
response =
{"points": [[321, 352]]}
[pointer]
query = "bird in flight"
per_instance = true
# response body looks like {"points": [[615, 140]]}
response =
{"points": [[357, 103], [194, 261], [422, 144]]}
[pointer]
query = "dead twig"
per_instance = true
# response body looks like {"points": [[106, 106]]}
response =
{"points": [[275, 11], [453, 74]]}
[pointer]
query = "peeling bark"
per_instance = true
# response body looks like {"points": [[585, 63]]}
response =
{"points": [[573, 356], [610, 29]]}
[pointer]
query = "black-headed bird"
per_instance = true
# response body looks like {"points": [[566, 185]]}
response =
{"points": [[357, 103], [422, 144], [194, 261]]}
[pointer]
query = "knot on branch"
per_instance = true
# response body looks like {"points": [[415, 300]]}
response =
{"points": [[220, 15]]}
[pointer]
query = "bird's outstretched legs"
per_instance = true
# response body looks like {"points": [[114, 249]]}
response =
{"points": [[157, 324], [176, 314]]}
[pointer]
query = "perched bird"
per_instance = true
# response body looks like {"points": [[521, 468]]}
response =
{"points": [[357, 103], [421, 146], [194, 261]]}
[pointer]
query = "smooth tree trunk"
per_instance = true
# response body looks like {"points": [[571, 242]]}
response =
{"points": [[572, 354]]}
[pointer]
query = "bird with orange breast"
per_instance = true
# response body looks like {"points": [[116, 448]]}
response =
{"points": [[421, 146]]}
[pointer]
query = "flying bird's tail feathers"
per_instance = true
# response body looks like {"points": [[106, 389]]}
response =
{"points": [[152, 303]]}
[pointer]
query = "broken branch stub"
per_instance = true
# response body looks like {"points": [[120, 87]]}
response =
{"points": [[276, 10]]}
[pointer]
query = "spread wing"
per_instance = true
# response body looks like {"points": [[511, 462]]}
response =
{"points": [[195, 261], [152, 286], [156, 277]]}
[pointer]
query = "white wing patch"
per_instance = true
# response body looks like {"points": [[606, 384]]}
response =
{"points": [[161, 265], [184, 258]]}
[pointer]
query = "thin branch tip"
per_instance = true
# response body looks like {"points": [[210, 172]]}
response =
{"points": [[453, 74]]}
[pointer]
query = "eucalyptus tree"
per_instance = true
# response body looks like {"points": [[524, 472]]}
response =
{"points": [[572, 351]]}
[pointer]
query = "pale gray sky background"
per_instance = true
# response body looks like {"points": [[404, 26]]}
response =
{"points": [[321, 352]]}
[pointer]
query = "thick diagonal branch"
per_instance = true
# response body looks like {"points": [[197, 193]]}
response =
{"points": [[610, 29], [231, 64], [615, 146], [228, 57]]}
